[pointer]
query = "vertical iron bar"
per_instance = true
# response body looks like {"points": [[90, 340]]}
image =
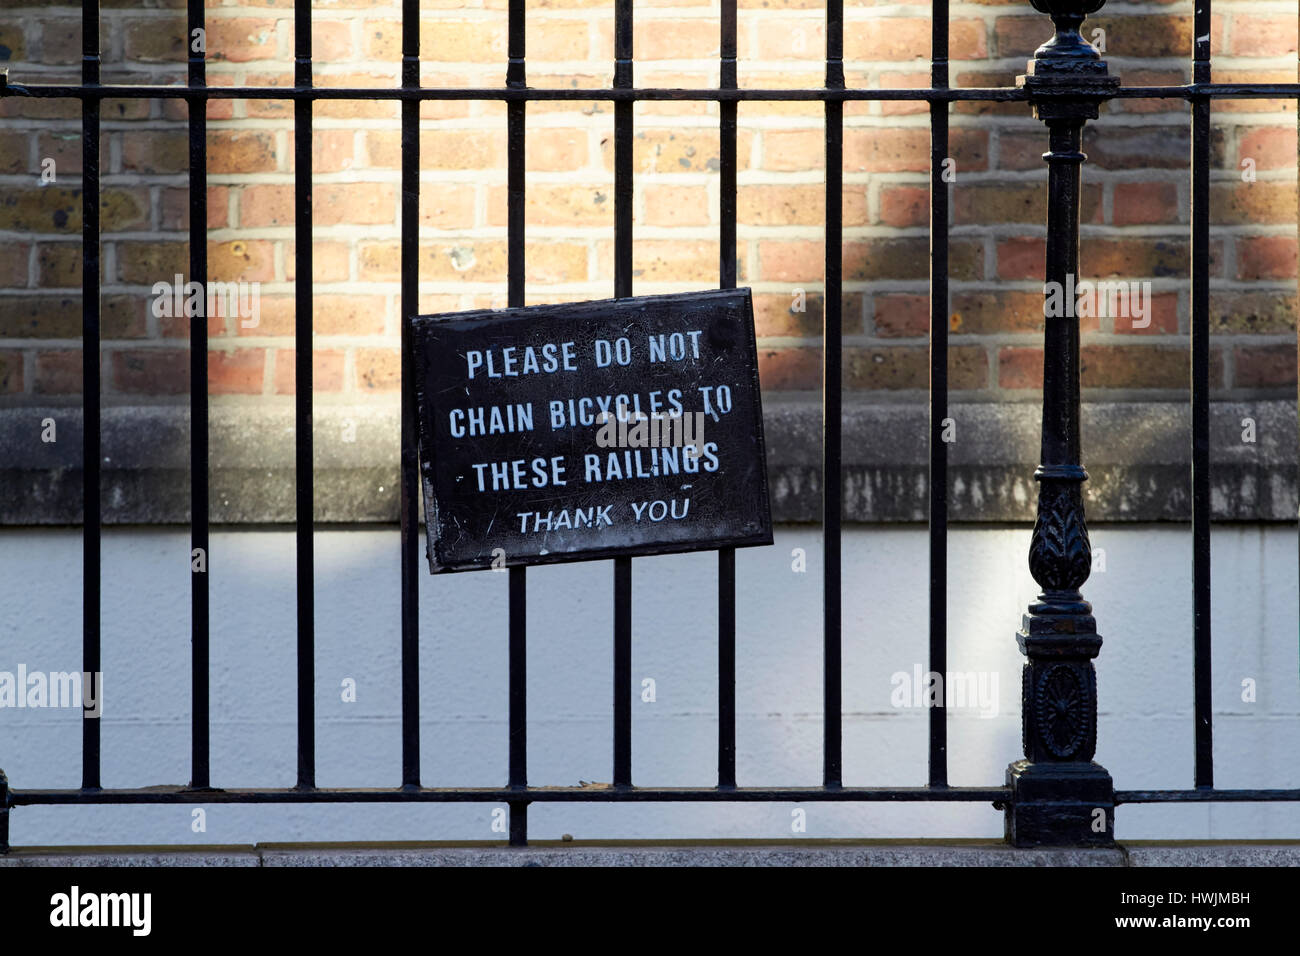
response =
{"points": [[938, 514], [623, 288], [303, 347], [199, 517], [90, 571], [410, 305], [832, 332], [518, 653], [4, 813], [727, 280], [622, 672], [518, 774], [1200, 398]]}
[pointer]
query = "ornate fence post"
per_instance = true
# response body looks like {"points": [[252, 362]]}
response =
{"points": [[1059, 796]]}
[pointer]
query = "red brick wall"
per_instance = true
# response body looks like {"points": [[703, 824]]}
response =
{"points": [[1135, 201]]}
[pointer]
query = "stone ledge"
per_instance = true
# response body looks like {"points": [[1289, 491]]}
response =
{"points": [[963, 853], [1137, 455]]}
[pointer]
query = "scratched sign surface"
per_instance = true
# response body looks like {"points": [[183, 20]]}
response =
{"points": [[588, 430]]}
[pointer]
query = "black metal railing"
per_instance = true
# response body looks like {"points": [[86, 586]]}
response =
{"points": [[1064, 86]]}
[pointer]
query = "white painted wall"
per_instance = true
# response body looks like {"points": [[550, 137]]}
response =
{"points": [[1142, 602]]}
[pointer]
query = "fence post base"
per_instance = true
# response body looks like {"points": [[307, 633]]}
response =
{"points": [[1066, 804]]}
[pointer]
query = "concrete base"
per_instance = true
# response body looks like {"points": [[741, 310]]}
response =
{"points": [[686, 853]]}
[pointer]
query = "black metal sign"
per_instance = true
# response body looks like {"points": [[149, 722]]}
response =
{"points": [[587, 430]]}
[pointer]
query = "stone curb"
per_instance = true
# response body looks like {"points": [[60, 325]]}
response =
{"points": [[959, 854], [1137, 455]]}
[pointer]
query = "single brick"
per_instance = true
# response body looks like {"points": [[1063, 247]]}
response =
{"points": [[553, 204], [673, 151], [901, 315], [908, 258], [1132, 258], [775, 314], [1258, 312], [782, 39], [555, 150], [789, 150], [59, 265], [13, 44], [36, 209], [378, 370], [1150, 147], [772, 205], [451, 205], [1271, 147], [348, 314], [1243, 204], [144, 263], [983, 313], [462, 149], [244, 39], [248, 151], [158, 39], [41, 317], [1135, 366], [463, 41], [1143, 203], [883, 150], [888, 39], [676, 205], [332, 150], [999, 202], [331, 40], [1266, 257], [14, 152], [1260, 36], [64, 147], [1020, 367], [908, 367], [125, 315], [269, 205], [790, 369], [1021, 258], [238, 372], [58, 372], [15, 259], [241, 260], [122, 210], [11, 372], [1265, 366], [669, 260], [798, 261], [552, 39], [904, 206]]}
